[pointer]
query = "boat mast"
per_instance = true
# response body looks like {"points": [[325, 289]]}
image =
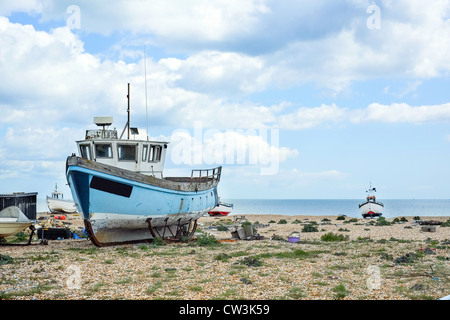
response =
{"points": [[127, 126], [128, 96], [145, 77]]}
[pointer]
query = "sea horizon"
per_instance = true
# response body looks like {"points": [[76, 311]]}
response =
{"points": [[326, 207], [334, 207]]}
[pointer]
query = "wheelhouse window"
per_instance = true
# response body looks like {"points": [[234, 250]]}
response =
{"points": [[126, 152], [103, 150], [85, 151], [144, 152], [155, 154]]}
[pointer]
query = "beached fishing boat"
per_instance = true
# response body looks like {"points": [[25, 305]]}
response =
{"points": [[57, 204], [371, 208], [222, 209], [13, 221], [119, 187]]}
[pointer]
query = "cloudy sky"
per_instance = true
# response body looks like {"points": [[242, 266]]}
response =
{"points": [[296, 99]]}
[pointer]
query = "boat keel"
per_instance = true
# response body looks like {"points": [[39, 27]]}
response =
{"points": [[116, 236]]}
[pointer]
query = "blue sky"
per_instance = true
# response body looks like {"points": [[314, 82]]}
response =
{"points": [[354, 91]]}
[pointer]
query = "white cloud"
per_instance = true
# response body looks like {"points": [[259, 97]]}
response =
{"points": [[410, 88], [414, 42], [402, 113], [39, 143], [31, 6], [197, 20], [224, 72], [230, 147], [248, 46], [306, 118], [50, 77], [47, 76], [46, 71]]}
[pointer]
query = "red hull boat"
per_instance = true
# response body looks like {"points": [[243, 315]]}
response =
{"points": [[222, 209]]}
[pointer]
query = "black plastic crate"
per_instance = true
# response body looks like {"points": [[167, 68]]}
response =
{"points": [[54, 233]]}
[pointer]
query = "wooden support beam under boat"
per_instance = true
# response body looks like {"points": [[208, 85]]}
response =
{"points": [[186, 230]]}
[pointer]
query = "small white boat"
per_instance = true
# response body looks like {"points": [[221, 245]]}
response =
{"points": [[13, 221], [222, 209], [57, 204], [371, 208]]}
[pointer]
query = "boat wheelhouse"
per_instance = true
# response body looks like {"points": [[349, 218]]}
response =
{"points": [[104, 146]]}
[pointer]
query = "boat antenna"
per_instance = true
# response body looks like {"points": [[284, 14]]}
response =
{"points": [[145, 75], [128, 111]]}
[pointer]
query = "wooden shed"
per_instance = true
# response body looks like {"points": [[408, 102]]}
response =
{"points": [[26, 202]]}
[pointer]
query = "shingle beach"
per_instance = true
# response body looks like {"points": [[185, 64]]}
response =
{"points": [[342, 258]]}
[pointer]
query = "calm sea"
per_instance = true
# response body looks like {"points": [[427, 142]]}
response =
{"points": [[392, 208]]}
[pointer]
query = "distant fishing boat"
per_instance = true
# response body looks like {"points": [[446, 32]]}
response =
{"points": [[371, 208], [57, 204], [222, 209], [119, 187], [13, 221]]}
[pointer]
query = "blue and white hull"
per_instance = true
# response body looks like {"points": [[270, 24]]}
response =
{"points": [[124, 206]]}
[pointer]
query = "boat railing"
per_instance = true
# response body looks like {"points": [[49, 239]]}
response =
{"points": [[206, 175], [368, 201], [229, 205], [101, 134]]}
